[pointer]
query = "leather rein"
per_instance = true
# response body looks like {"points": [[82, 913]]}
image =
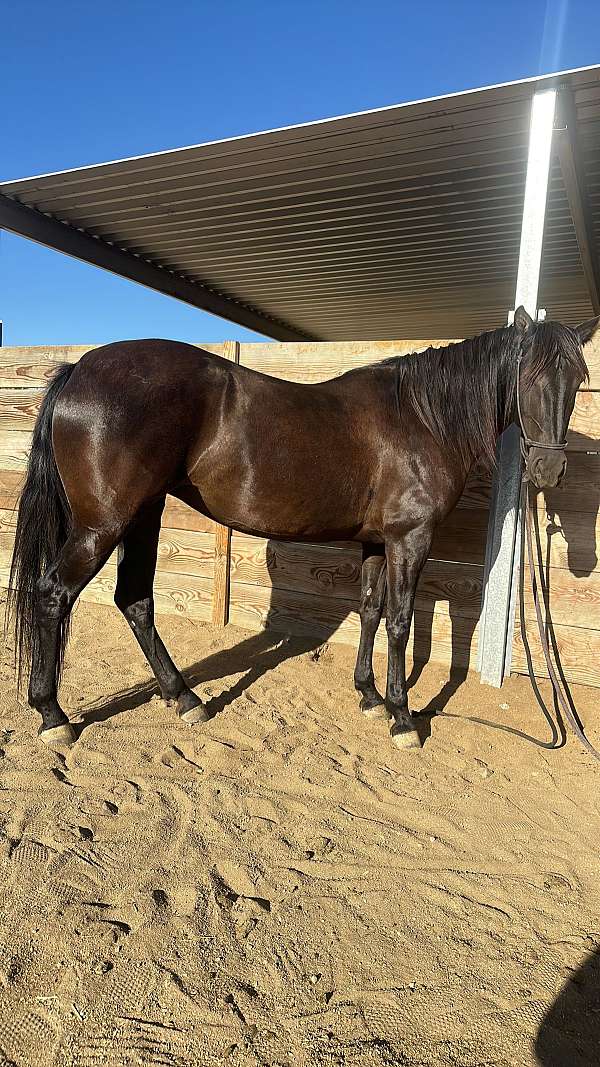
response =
{"points": [[560, 692]]}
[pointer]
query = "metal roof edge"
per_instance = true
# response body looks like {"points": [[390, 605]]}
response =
{"points": [[305, 125]]}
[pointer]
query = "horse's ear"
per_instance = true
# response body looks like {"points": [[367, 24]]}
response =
{"points": [[523, 321], [586, 330]]}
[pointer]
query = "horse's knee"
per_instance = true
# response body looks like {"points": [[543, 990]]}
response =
{"points": [[397, 627]]}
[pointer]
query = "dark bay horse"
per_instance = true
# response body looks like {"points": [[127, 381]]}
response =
{"points": [[379, 455]]}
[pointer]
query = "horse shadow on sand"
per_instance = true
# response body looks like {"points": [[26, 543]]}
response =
{"points": [[288, 633], [569, 1034]]}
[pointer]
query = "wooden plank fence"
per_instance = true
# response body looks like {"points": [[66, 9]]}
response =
{"points": [[207, 573]]}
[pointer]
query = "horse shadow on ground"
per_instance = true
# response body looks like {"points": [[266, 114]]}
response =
{"points": [[286, 634], [569, 1035]]}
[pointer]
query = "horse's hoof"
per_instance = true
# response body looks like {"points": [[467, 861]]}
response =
{"points": [[374, 711], [404, 736], [195, 715], [191, 709], [58, 735]]}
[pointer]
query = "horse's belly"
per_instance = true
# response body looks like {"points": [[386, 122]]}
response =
{"points": [[279, 501]]}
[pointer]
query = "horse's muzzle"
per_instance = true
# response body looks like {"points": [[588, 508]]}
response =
{"points": [[546, 467]]}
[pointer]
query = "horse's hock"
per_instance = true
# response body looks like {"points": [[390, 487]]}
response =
{"points": [[207, 574]]}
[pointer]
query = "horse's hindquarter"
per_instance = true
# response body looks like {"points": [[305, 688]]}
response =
{"points": [[124, 423], [288, 460]]}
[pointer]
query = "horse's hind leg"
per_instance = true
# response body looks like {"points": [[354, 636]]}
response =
{"points": [[82, 556], [133, 597], [372, 602]]}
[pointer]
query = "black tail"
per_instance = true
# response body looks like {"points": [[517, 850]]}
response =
{"points": [[43, 525]]}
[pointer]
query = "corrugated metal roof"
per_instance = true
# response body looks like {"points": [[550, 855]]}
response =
{"points": [[399, 222]]}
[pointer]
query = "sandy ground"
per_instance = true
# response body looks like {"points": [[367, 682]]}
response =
{"points": [[281, 885]]}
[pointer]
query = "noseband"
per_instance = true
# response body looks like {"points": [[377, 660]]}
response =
{"points": [[527, 442]]}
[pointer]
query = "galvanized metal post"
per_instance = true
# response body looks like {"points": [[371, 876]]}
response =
{"points": [[502, 554]]}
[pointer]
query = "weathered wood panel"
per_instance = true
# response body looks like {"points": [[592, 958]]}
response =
{"points": [[329, 619], [34, 365], [308, 568], [179, 551], [10, 487], [579, 652], [580, 490], [444, 587], [451, 641], [14, 449], [176, 516], [298, 361], [179, 516], [334, 573], [571, 539], [313, 361], [185, 594]]}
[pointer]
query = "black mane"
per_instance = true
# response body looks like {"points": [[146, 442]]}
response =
{"points": [[464, 393]]}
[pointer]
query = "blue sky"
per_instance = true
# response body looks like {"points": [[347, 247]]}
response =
{"points": [[83, 83]]}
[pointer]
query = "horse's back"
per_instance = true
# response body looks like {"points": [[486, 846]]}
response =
{"points": [[138, 419]]}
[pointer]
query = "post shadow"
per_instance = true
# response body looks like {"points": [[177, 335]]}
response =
{"points": [[288, 633], [569, 1034]]}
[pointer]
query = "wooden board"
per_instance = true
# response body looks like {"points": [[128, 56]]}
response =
{"points": [[188, 595], [323, 619], [11, 483], [176, 516], [179, 551], [14, 450], [579, 651], [334, 574], [308, 568], [34, 365], [572, 538], [314, 361], [580, 490], [317, 361], [179, 516], [191, 597], [444, 587], [452, 642], [297, 361]]}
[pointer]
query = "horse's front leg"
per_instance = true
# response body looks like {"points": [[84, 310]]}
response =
{"points": [[406, 554]]}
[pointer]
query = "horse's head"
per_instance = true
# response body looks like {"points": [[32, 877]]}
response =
{"points": [[551, 368]]}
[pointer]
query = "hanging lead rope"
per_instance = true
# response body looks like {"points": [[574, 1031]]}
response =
{"points": [[561, 697]]}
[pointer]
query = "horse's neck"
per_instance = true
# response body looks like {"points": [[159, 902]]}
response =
{"points": [[478, 406]]}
